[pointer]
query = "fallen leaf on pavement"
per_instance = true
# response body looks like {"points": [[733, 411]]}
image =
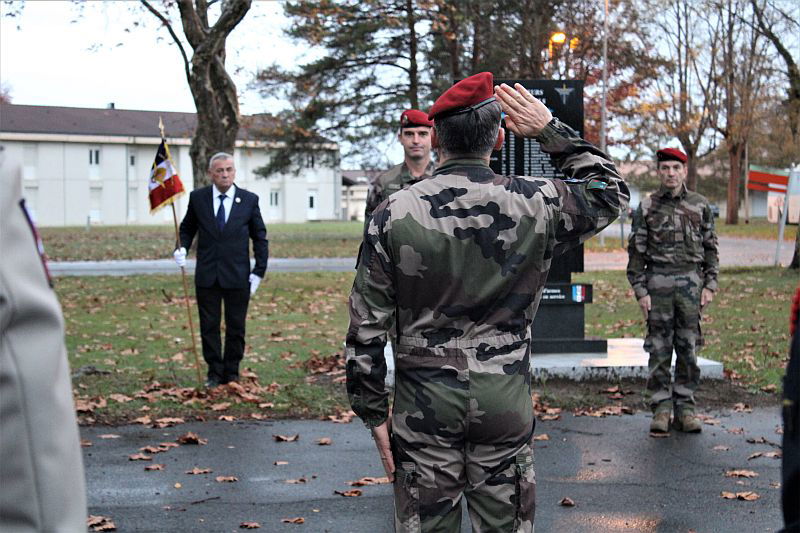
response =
{"points": [[144, 420], [249, 525], [177, 485], [196, 470], [349, 493], [226, 418], [154, 467], [364, 481], [545, 418], [748, 496], [152, 449], [728, 495], [721, 448], [659, 435], [100, 523], [298, 520], [191, 438], [344, 417], [168, 422], [109, 436], [741, 473], [297, 481], [736, 431], [139, 457], [85, 443], [742, 408], [324, 441], [281, 463], [771, 455], [165, 445], [567, 502], [286, 438], [227, 479], [543, 436]]}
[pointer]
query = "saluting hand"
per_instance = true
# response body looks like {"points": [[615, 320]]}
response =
{"points": [[526, 116]]}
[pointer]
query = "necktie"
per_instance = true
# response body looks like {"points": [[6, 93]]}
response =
{"points": [[221, 213]]}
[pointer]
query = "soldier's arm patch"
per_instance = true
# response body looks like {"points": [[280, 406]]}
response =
{"points": [[597, 184]]}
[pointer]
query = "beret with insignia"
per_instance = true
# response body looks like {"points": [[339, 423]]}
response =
{"points": [[465, 96]]}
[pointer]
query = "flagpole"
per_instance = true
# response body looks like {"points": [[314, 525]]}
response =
{"points": [[183, 276]]}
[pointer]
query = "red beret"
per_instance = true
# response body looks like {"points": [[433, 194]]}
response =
{"points": [[671, 154], [411, 118], [466, 95]]}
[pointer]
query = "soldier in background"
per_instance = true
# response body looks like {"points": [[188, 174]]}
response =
{"points": [[458, 263], [415, 136], [42, 487], [673, 266]]}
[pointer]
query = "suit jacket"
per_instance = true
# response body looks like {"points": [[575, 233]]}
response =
{"points": [[41, 468], [224, 257]]}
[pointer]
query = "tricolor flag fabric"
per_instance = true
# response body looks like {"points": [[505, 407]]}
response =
{"points": [[164, 184], [578, 293]]}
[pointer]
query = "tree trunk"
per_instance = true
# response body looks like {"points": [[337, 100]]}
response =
{"points": [[691, 166], [413, 81], [735, 153]]}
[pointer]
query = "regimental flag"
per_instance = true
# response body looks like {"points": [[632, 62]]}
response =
{"points": [[164, 184]]}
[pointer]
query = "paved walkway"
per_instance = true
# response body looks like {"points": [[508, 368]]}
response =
{"points": [[619, 478], [733, 252]]}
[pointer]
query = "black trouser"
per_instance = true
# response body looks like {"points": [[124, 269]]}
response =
{"points": [[209, 304]]}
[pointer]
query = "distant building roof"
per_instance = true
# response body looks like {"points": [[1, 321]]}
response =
{"points": [[114, 122]]}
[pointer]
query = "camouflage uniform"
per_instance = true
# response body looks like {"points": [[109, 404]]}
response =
{"points": [[672, 256], [396, 178], [458, 263]]}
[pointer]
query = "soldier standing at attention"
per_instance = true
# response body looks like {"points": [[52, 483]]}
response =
{"points": [[673, 266], [458, 263], [415, 136]]}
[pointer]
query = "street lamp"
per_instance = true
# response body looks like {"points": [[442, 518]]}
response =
{"points": [[558, 37]]}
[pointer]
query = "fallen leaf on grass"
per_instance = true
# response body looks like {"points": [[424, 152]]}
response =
{"points": [[226, 418], [266, 405], [120, 398], [281, 463], [364, 481], [100, 523], [139, 457], [85, 443], [154, 467], [349, 493], [297, 481], [324, 441], [220, 406], [227, 479], [567, 502], [258, 416], [191, 438], [109, 436], [741, 473], [144, 420], [543, 436], [196, 470], [769, 388], [249, 525], [298, 520], [286, 438]]}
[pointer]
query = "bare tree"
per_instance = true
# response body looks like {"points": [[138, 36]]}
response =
{"points": [[213, 90]]}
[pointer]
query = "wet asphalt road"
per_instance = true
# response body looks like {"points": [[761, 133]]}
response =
{"points": [[620, 478]]}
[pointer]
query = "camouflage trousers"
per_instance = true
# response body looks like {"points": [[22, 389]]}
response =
{"points": [[673, 323], [462, 426]]}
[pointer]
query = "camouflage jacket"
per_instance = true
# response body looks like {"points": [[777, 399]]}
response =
{"points": [[674, 231], [460, 260], [387, 183]]}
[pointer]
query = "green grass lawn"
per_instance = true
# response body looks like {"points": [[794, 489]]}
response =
{"points": [[134, 331], [746, 327], [312, 239]]}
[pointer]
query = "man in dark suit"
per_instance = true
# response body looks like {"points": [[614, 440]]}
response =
{"points": [[225, 218]]}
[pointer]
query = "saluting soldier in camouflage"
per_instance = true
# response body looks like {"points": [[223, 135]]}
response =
{"points": [[458, 263], [673, 266], [415, 137]]}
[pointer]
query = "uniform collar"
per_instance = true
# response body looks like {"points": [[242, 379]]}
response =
{"points": [[231, 192], [667, 193]]}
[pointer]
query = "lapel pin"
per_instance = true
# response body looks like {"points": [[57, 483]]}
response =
{"points": [[238, 200]]}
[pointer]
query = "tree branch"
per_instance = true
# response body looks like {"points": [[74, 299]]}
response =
{"points": [[166, 23]]}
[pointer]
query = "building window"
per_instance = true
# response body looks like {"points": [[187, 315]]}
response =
{"points": [[311, 202], [310, 161], [274, 199], [94, 156], [133, 160]]}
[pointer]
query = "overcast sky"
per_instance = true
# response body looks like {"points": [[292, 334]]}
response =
{"points": [[45, 59]]}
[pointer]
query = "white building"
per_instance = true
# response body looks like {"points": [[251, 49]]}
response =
{"points": [[79, 165]]}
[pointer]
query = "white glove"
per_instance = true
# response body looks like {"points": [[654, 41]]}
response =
{"points": [[180, 256], [254, 281]]}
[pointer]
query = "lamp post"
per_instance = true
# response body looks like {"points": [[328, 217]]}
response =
{"points": [[558, 37]]}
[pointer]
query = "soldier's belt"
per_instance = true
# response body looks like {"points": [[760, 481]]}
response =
{"points": [[502, 339], [672, 268]]}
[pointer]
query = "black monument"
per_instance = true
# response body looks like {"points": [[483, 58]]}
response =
{"points": [[559, 323]]}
